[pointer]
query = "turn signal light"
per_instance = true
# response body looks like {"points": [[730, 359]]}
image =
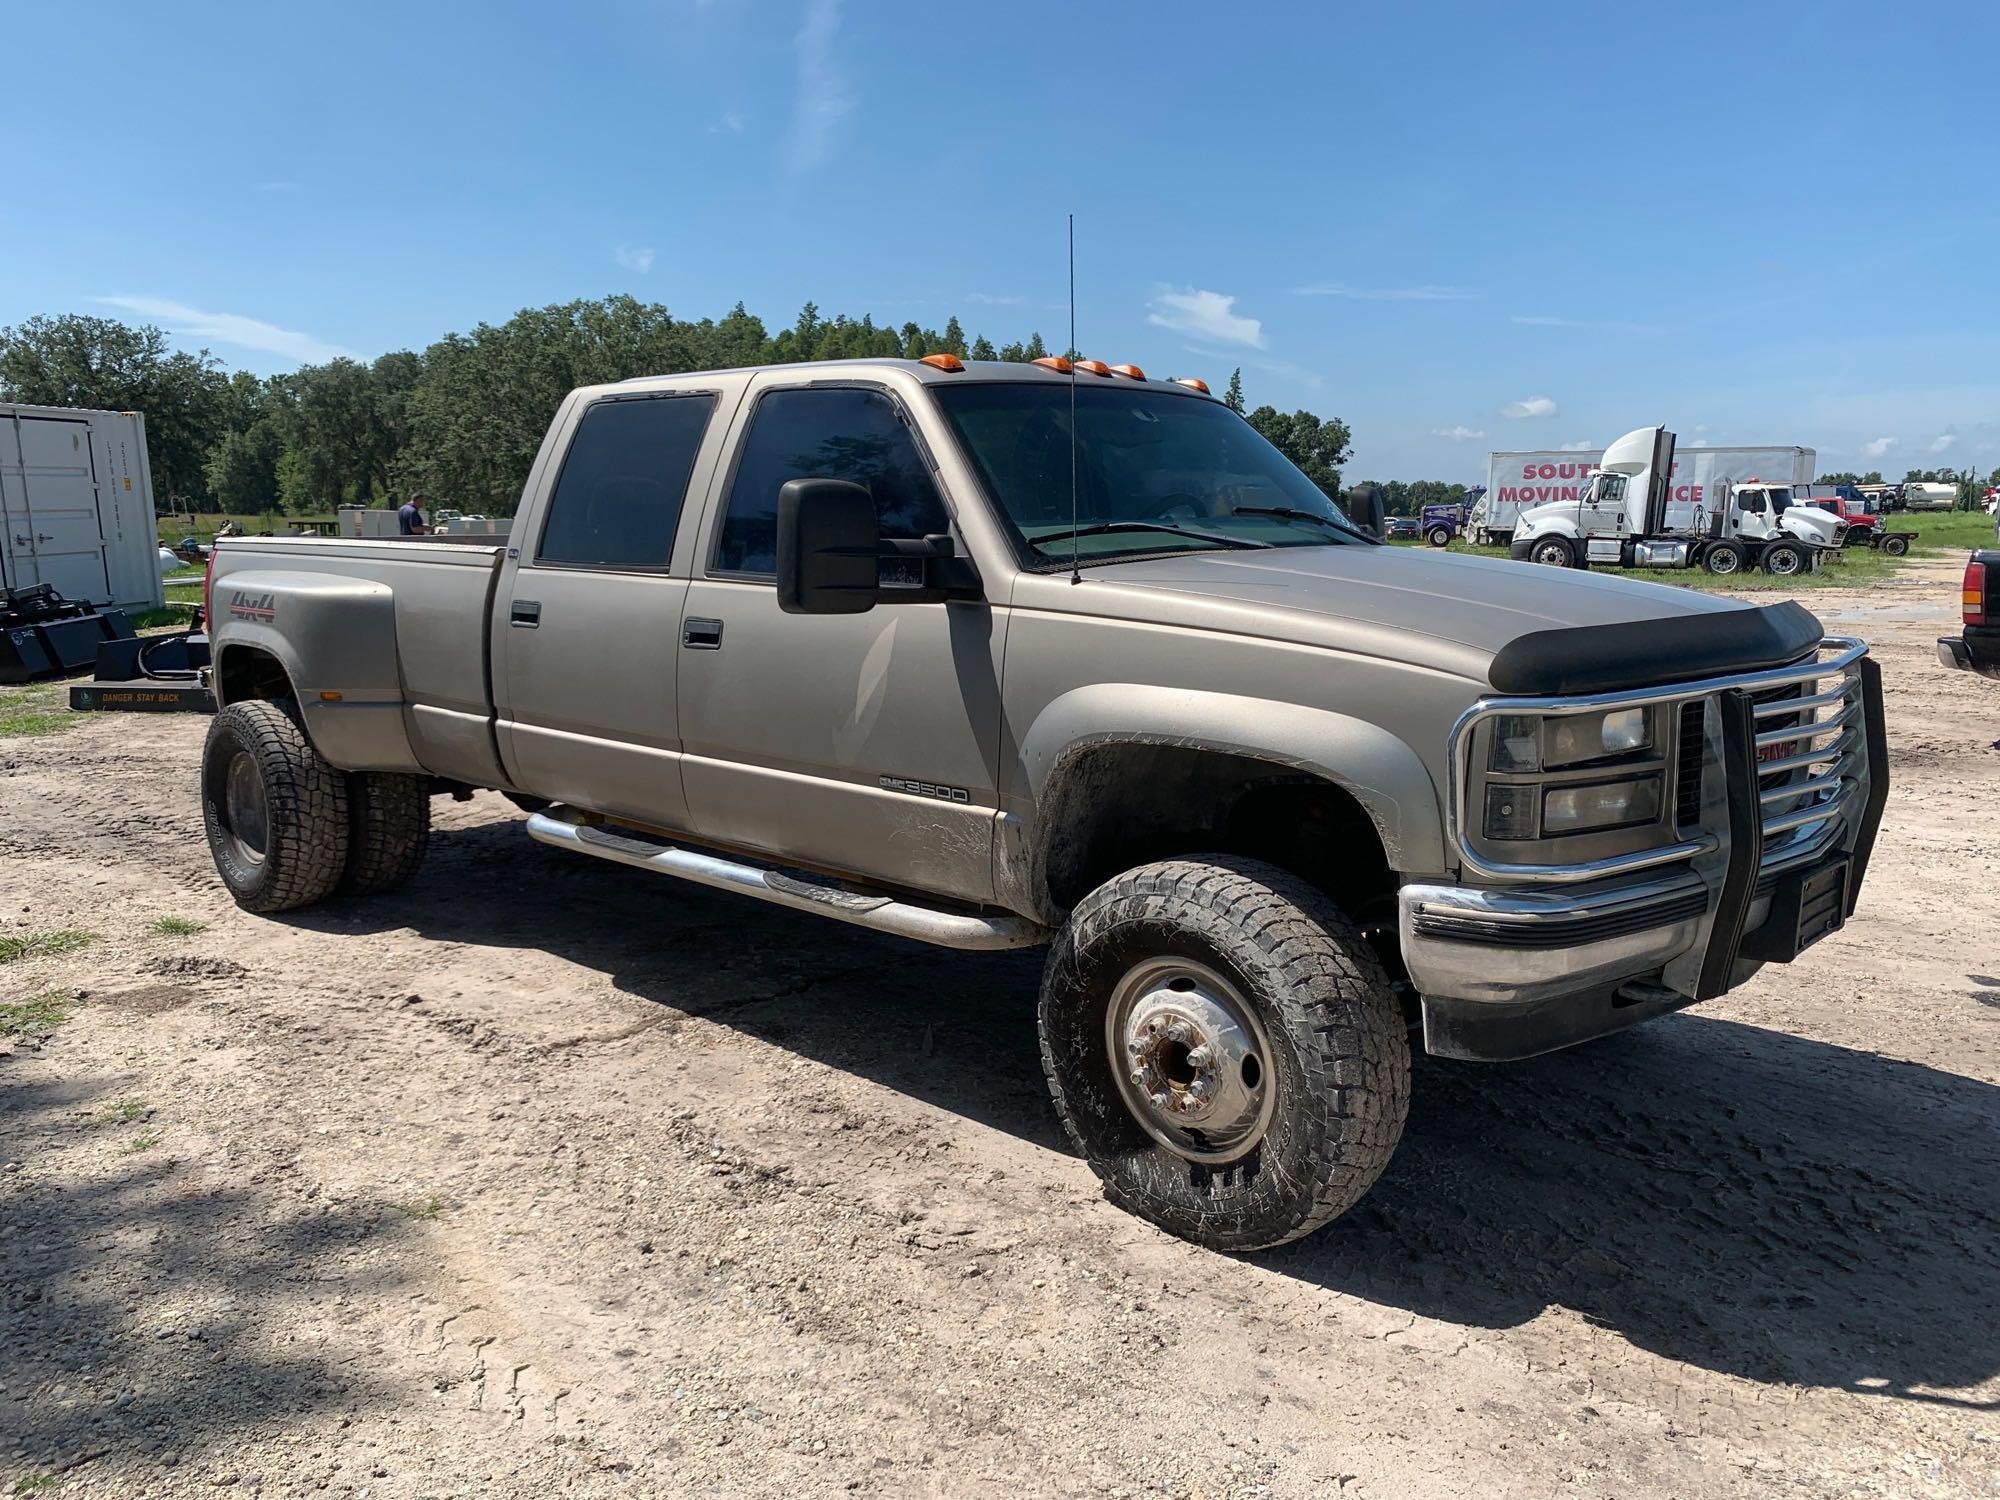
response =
{"points": [[1973, 594], [1094, 366], [1130, 372], [1055, 362], [951, 364], [1192, 384]]}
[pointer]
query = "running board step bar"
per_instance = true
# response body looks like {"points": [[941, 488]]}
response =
{"points": [[563, 828]]}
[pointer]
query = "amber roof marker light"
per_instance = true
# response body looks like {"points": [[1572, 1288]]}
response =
{"points": [[1130, 372], [1192, 384], [1093, 366], [1054, 362], [951, 364]]}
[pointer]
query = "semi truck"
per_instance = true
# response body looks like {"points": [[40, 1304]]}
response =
{"points": [[1276, 798], [1517, 481], [1624, 516]]}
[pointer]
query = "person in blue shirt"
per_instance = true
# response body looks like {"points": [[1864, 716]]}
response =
{"points": [[410, 518]]}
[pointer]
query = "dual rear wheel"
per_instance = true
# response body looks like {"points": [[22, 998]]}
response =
{"points": [[287, 829]]}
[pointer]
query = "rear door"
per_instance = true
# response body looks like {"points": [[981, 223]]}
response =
{"points": [[48, 491], [591, 613]]}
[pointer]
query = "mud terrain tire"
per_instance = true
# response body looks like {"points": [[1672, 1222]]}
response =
{"points": [[388, 829], [1337, 1064], [275, 812]]}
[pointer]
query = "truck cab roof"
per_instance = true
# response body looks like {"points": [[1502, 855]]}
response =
{"points": [[967, 370]]}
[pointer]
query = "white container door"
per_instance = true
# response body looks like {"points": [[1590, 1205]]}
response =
{"points": [[48, 491]]}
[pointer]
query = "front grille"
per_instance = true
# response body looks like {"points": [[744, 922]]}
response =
{"points": [[1687, 764]]}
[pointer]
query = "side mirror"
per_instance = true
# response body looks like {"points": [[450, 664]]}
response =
{"points": [[828, 540], [1365, 509]]}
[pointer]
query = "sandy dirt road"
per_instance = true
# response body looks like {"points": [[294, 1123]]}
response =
{"points": [[544, 1176]]}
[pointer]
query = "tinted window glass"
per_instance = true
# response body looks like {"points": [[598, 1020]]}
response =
{"points": [[829, 434], [619, 497]]}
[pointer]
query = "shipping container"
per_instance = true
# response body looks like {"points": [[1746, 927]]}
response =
{"points": [[1515, 481], [76, 496]]}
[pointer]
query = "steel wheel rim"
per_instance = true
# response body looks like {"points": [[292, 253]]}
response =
{"points": [[1722, 562], [1785, 564], [244, 810], [1191, 1059], [1552, 555]]}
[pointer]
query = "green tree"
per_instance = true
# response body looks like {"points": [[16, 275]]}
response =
{"points": [[1233, 397], [982, 348], [953, 339], [1318, 446], [242, 469], [101, 363]]}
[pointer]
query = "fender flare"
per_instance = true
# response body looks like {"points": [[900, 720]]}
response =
{"points": [[1382, 773], [331, 635]]}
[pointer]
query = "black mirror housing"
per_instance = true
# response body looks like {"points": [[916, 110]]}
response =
{"points": [[828, 541]]}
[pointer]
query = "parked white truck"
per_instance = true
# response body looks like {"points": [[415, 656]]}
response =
{"points": [[1517, 481], [1625, 516]]}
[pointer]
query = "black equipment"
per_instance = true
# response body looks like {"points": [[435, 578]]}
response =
{"points": [[43, 634]]}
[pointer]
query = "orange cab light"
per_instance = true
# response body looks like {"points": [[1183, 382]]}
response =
{"points": [[1192, 384], [1094, 366], [1055, 362], [951, 364], [1130, 372]]}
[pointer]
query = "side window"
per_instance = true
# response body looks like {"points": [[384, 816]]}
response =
{"points": [[848, 434], [618, 499]]}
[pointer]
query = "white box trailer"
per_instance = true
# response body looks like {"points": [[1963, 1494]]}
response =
{"points": [[76, 496], [1515, 481]]}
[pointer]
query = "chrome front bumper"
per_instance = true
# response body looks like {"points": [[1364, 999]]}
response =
{"points": [[1629, 937]]}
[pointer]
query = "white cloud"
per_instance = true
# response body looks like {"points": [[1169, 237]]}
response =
{"points": [[230, 328], [821, 99], [731, 122], [1457, 434], [1534, 406], [988, 299], [1878, 446], [1701, 427], [1597, 325], [1385, 293], [1698, 442], [1204, 315], [1582, 445], [634, 257], [1943, 441]]}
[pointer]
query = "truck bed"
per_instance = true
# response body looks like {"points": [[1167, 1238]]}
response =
{"points": [[442, 593]]}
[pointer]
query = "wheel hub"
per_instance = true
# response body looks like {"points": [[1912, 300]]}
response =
{"points": [[244, 808], [1191, 1059]]}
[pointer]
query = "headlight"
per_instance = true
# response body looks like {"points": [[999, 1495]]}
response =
{"points": [[1600, 804], [1525, 743]]}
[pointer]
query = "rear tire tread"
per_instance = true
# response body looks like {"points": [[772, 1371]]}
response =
{"points": [[306, 802]]}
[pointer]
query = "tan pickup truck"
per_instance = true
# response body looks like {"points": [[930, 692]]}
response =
{"points": [[997, 655]]}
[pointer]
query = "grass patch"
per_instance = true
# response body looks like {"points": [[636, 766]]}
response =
{"points": [[421, 1208], [27, 712], [34, 1484], [43, 944], [177, 613], [145, 1140], [124, 1112], [37, 1016], [178, 926]]}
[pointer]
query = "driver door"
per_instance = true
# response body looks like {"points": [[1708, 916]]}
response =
{"points": [[867, 743]]}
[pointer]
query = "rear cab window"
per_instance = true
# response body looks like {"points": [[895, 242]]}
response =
{"points": [[855, 433], [617, 502]]}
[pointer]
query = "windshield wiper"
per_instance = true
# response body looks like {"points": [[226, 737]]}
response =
{"points": [[1293, 513], [1106, 528]]}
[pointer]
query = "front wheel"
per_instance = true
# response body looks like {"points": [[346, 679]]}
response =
{"points": [[275, 812], [1439, 536], [1895, 546], [1784, 559], [1723, 559], [1224, 1049], [1553, 552]]}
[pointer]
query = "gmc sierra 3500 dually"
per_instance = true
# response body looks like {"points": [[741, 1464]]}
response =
{"points": [[877, 640]]}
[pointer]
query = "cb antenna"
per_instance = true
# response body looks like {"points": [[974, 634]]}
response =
{"points": [[1075, 575]]}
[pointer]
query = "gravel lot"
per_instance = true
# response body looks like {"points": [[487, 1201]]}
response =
{"points": [[543, 1176]]}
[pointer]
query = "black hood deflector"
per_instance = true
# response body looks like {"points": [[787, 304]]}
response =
{"points": [[1650, 653]]}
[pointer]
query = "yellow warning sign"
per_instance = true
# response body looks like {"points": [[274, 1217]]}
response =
{"points": [[128, 484]]}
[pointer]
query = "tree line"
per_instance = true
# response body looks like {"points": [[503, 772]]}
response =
{"points": [[462, 420]]}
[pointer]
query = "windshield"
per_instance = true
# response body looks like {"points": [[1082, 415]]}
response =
{"points": [[1155, 473]]}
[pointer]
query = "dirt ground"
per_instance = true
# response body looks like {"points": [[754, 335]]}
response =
{"points": [[543, 1176]]}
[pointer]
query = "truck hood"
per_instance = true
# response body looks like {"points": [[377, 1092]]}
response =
{"points": [[1432, 608]]}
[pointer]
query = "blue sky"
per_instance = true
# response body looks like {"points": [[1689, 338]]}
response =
{"points": [[1457, 227]]}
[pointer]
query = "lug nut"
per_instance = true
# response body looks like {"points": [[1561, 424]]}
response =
{"points": [[1180, 1032], [1200, 1057]]}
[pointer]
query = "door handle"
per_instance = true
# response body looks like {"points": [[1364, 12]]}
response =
{"points": [[701, 635], [525, 614]]}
